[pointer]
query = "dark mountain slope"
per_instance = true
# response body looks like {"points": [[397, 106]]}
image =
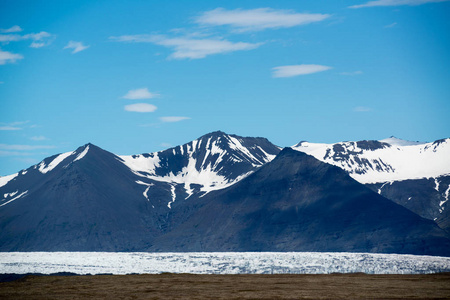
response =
{"points": [[297, 203], [89, 204], [427, 197]]}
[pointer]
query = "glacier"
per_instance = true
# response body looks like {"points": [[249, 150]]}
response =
{"points": [[121, 263]]}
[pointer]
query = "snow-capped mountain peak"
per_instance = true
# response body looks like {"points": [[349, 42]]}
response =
{"points": [[213, 161], [52, 162], [385, 160]]}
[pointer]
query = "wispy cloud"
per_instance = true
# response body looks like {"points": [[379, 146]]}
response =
{"points": [[391, 25], [257, 19], [166, 145], [76, 46], [140, 107], [24, 147], [39, 39], [15, 28], [9, 57], [14, 153], [187, 47], [173, 119], [351, 73], [6, 128], [296, 70], [38, 138], [13, 125], [143, 93], [395, 3], [362, 109]]}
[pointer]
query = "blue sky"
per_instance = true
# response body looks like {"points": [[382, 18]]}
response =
{"points": [[141, 76]]}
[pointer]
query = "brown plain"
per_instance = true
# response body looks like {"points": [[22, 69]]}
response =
{"points": [[188, 286]]}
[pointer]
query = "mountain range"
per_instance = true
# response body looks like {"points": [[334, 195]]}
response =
{"points": [[224, 192], [413, 174]]}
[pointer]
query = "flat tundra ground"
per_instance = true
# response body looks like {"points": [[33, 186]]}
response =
{"points": [[190, 286]]}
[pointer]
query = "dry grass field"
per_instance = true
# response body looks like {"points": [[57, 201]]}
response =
{"points": [[187, 286]]}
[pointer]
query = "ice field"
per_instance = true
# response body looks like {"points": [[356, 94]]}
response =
{"points": [[219, 263]]}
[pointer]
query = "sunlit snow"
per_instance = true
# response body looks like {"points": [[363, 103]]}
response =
{"points": [[399, 142], [5, 179], [82, 154], [15, 198], [206, 175], [174, 196], [55, 162], [6, 195], [397, 162]]}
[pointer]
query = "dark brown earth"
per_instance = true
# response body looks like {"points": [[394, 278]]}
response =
{"points": [[186, 286]]}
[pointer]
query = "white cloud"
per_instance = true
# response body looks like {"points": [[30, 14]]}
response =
{"points": [[351, 73], [295, 70], [76, 46], [257, 19], [6, 38], [15, 28], [166, 145], [395, 3], [187, 47], [140, 107], [37, 45], [37, 36], [40, 39], [173, 119], [38, 138], [8, 57], [24, 147], [140, 94], [362, 109]]}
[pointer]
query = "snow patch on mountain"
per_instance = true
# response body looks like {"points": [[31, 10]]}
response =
{"points": [[6, 195], [146, 190], [436, 182], [5, 179], [174, 196], [82, 154], [207, 177], [13, 199], [142, 163], [379, 161], [447, 192], [235, 144], [201, 162], [43, 168]]}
